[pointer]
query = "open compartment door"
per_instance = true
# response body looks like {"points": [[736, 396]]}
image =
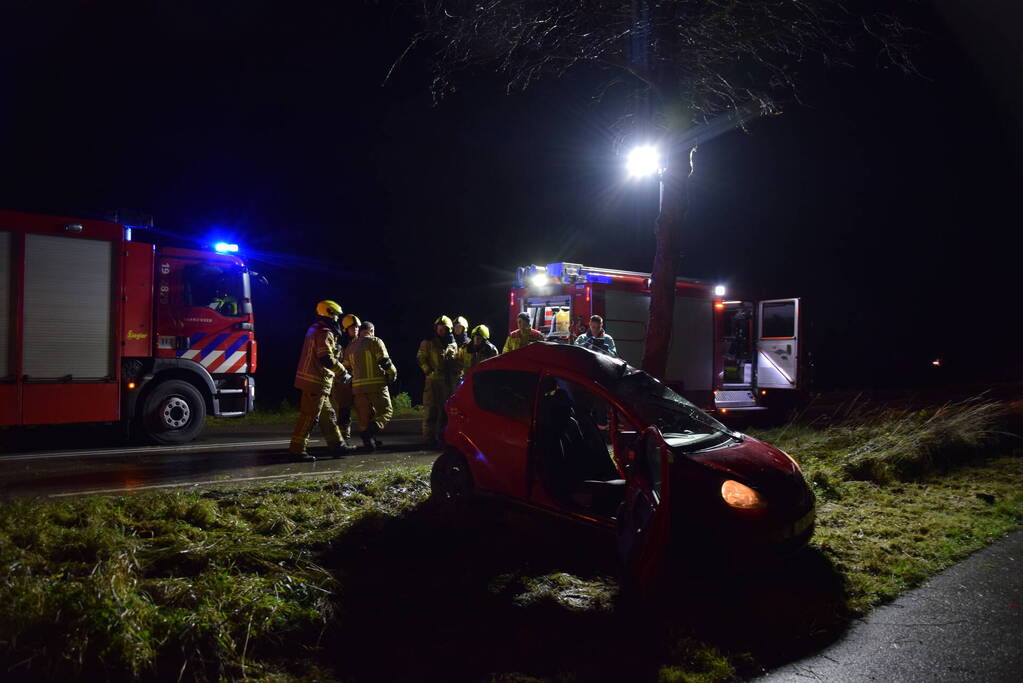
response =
{"points": [[778, 344]]}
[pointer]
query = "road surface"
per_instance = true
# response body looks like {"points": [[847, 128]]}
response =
{"points": [[965, 624], [80, 461]]}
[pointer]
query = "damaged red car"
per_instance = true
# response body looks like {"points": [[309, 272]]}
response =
{"points": [[580, 434]]}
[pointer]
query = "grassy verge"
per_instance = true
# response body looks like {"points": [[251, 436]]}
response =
{"points": [[285, 413], [360, 578]]}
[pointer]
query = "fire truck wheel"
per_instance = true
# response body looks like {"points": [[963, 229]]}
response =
{"points": [[174, 412]]}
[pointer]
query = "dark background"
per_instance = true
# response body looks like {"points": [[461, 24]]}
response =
{"points": [[888, 202]]}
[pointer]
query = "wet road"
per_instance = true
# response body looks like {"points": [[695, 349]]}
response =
{"points": [[232, 453]]}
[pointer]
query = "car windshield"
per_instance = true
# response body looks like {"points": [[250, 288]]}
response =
{"points": [[658, 405]]}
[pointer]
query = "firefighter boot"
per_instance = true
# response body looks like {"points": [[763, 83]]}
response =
{"points": [[368, 444], [339, 449], [374, 429], [300, 437]]}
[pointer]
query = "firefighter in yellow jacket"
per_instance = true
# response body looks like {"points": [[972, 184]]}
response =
{"points": [[341, 396], [316, 368], [438, 359], [372, 370], [523, 336]]}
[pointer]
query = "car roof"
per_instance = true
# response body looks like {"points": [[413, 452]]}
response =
{"points": [[599, 367]]}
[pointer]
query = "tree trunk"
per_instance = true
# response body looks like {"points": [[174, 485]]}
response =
{"points": [[667, 234]]}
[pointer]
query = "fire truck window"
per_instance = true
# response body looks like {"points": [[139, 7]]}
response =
{"points": [[779, 319], [219, 288], [508, 393]]}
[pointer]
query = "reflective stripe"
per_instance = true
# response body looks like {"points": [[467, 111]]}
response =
{"points": [[189, 354], [368, 380], [192, 341], [241, 366], [232, 360], [212, 346], [236, 345], [211, 359]]}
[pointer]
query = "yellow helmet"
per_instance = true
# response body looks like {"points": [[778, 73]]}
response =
{"points": [[349, 320], [328, 308], [443, 320], [460, 320], [481, 330]]}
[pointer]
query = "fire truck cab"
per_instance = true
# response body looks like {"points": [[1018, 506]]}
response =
{"points": [[726, 355], [95, 327]]}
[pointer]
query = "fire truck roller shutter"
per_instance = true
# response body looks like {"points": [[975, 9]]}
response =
{"points": [[68, 302], [691, 355], [625, 319], [5, 303]]}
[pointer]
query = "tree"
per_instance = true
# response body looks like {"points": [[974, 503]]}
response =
{"points": [[684, 61]]}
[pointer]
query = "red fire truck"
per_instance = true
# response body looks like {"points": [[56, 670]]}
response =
{"points": [[97, 328], [725, 354]]}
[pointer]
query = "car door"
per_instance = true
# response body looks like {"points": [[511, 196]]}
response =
{"points": [[644, 518], [778, 344], [498, 440]]}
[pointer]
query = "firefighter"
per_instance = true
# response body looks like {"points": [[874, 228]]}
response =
{"points": [[479, 349], [317, 365], [523, 336], [372, 370], [438, 359], [341, 395], [560, 324], [461, 331], [596, 338], [223, 303]]}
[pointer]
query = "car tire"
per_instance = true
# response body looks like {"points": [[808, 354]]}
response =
{"points": [[450, 479], [173, 412]]}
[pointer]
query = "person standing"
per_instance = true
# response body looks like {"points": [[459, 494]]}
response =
{"points": [[438, 359], [596, 338], [523, 336], [341, 396], [477, 350], [461, 331], [317, 365], [372, 370]]}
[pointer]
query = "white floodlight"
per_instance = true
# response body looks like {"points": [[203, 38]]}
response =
{"points": [[643, 161], [539, 280], [719, 290]]}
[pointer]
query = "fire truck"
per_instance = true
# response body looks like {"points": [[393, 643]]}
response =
{"points": [[726, 355], [95, 327]]}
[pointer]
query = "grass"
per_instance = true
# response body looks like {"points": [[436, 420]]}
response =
{"points": [[286, 413], [360, 578]]}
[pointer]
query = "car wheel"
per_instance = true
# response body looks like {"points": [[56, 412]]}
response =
{"points": [[173, 412], [450, 478]]}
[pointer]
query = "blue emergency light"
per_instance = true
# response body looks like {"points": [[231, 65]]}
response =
{"points": [[225, 248]]}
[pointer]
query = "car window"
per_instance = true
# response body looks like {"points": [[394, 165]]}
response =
{"points": [[506, 392], [657, 404]]}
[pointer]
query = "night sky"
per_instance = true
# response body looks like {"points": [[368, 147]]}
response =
{"points": [[889, 202]]}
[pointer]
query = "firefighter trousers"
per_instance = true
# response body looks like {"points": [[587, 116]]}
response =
{"points": [[434, 419], [315, 405], [374, 407], [342, 399]]}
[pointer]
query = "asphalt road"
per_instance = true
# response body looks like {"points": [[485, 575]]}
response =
{"points": [[80, 461], [965, 624]]}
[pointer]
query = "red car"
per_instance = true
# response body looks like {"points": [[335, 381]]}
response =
{"points": [[580, 434]]}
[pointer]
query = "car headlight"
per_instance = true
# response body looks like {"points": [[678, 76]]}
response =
{"points": [[741, 496]]}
